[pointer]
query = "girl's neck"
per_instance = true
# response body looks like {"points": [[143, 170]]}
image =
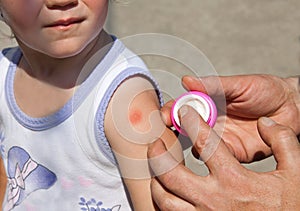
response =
{"points": [[62, 72]]}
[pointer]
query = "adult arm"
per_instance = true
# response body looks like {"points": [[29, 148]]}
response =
{"points": [[229, 186]]}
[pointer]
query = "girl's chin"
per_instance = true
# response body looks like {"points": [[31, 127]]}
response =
{"points": [[63, 53]]}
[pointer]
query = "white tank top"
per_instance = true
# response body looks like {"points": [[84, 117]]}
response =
{"points": [[64, 161]]}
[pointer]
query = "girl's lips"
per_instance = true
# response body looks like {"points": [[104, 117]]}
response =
{"points": [[65, 22]]}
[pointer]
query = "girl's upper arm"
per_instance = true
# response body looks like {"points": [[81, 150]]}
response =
{"points": [[2, 181], [132, 121]]}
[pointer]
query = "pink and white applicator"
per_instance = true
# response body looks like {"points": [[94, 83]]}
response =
{"points": [[201, 102]]}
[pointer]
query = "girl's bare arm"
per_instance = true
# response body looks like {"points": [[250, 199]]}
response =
{"points": [[132, 122], [3, 181]]}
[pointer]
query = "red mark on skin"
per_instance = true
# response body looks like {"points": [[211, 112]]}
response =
{"points": [[135, 116]]}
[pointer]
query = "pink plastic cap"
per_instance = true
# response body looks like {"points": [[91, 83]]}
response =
{"points": [[201, 102]]}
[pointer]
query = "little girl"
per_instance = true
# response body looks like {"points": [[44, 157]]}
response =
{"points": [[78, 110]]}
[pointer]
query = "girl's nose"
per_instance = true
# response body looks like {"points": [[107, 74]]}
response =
{"points": [[60, 4]]}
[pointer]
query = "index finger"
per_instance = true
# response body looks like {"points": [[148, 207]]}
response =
{"points": [[217, 86], [208, 144], [211, 85], [179, 179]]}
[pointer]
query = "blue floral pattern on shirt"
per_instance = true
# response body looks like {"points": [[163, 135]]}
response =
{"points": [[94, 205]]}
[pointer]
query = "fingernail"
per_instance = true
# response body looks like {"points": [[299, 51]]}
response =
{"points": [[186, 80], [183, 111], [267, 121]]}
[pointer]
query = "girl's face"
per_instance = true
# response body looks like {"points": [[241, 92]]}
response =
{"points": [[58, 28]]}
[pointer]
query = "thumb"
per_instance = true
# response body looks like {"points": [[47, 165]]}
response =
{"points": [[282, 140]]}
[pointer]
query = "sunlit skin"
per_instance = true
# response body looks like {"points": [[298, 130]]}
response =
{"points": [[135, 125]]}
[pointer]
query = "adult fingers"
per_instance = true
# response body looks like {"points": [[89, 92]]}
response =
{"points": [[166, 200], [208, 144], [177, 178], [283, 142]]}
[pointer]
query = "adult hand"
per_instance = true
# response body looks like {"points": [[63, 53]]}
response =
{"points": [[248, 98], [229, 186]]}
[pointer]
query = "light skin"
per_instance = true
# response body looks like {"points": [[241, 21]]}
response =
{"points": [[57, 38], [230, 186]]}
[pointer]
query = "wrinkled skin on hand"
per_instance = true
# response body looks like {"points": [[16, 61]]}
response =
{"points": [[229, 186]]}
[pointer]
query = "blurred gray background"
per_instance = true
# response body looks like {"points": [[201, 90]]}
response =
{"points": [[236, 37]]}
